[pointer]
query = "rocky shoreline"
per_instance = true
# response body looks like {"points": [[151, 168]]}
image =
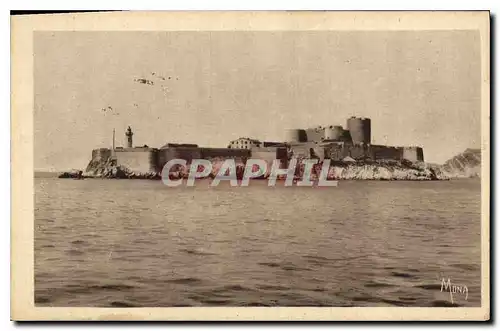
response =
{"points": [[339, 170]]}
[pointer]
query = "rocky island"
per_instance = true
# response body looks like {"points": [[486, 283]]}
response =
{"points": [[351, 154], [339, 170]]}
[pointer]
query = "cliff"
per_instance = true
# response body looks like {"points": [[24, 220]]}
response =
{"points": [[379, 170], [107, 168], [464, 165]]}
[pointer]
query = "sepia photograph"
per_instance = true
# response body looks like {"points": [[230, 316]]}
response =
{"points": [[299, 160]]}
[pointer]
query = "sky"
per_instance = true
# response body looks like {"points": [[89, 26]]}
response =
{"points": [[420, 88]]}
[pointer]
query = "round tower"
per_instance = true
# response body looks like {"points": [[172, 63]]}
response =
{"points": [[129, 135], [296, 135], [334, 132], [360, 130]]}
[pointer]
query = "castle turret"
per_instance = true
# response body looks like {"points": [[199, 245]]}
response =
{"points": [[296, 135], [334, 132], [129, 135], [360, 130]]}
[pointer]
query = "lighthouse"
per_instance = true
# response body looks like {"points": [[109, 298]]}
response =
{"points": [[129, 135]]}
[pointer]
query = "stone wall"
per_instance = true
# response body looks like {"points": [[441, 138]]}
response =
{"points": [[225, 153], [141, 160], [101, 154], [334, 151], [190, 153], [269, 154], [308, 150], [357, 152], [338, 151], [315, 134], [381, 152], [184, 153], [413, 154]]}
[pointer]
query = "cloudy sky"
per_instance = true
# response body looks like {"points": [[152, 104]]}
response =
{"points": [[419, 88]]}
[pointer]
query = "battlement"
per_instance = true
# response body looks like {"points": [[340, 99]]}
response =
{"points": [[330, 142]]}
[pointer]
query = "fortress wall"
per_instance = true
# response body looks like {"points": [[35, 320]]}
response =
{"points": [[315, 134], [381, 152], [295, 135], [184, 153], [334, 133], [282, 153], [413, 154], [225, 153], [420, 154], [137, 159], [269, 154], [301, 150], [308, 150], [101, 154], [190, 153], [273, 144], [334, 151], [99, 157], [356, 151]]}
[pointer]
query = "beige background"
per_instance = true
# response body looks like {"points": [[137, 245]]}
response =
{"points": [[23, 161], [418, 87]]}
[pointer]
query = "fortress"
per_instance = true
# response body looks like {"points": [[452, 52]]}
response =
{"points": [[334, 142]]}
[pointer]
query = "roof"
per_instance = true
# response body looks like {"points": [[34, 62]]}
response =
{"points": [[247, 139], [168, 145]]}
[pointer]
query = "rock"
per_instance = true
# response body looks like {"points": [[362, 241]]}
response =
{"points": [[464, 165], [78, 174], [377, 170], [339, 170]]}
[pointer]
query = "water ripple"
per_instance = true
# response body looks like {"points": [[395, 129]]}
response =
{"points": [[136, 244]]}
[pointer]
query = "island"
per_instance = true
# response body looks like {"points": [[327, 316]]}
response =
{"points": [[349, 150]]}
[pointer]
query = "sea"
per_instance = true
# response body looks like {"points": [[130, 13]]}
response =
{"points": [[139, 243]]}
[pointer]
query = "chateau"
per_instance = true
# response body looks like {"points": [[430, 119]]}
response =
{"points": [[331, 142]]}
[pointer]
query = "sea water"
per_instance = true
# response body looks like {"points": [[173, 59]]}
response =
{"points": [[127, 243]]}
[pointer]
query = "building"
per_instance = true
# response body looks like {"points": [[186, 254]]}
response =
{"points": [[330, 142], [244, 143], [336, 143]]}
